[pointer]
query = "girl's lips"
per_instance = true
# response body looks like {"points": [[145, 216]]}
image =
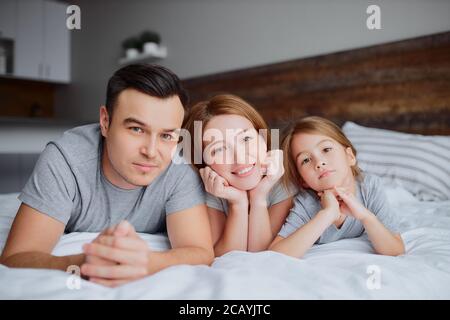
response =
{"points": [[326, 174]]}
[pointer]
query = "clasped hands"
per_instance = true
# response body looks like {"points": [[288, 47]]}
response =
{"points": [[117, 256]]}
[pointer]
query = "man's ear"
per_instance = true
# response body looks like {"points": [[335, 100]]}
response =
{"points": [[104, 121], [351, 157]]}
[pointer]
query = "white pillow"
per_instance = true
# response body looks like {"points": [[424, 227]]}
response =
{"points": [[420, 164]]}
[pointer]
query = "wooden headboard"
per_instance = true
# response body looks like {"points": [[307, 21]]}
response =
{"points": [[402, 86]]}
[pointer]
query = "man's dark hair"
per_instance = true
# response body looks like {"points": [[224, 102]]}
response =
{"points": [[151, 79]]}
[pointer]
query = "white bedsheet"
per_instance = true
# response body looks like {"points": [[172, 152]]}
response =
{"points": [[339, 270]]}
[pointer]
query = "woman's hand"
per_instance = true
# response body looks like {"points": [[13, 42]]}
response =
{"points": [[273, 169], [219, 187]]}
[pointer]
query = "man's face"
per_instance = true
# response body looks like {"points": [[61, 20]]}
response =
{"points": [[141, 138]]}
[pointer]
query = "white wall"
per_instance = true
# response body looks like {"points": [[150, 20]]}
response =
{"points": [[209, 36]]}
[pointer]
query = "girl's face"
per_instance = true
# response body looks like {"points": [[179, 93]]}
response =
{"points": [[321, 161], [233, 148]]}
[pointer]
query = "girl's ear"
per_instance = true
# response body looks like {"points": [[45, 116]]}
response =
{"points": [[350, 156]]}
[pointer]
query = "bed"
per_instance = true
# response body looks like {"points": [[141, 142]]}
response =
{"points": [[401, 86], [346, 269]]}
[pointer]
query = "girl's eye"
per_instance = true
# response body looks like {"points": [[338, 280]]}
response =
{"points": [[327, 149], [136, 129], [305, 161]]}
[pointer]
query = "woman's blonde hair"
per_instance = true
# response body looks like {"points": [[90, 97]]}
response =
{"points": [[311, 125], [221, 104]]}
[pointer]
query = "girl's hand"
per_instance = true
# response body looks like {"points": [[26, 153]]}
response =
{"points": [[329, 203], [273, 169], [219, 187], [350, 205]]}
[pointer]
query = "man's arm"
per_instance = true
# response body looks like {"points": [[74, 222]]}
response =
{"points": [[32, 237]]}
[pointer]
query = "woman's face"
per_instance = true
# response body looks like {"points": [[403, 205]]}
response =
{"points": [[234, 149]]}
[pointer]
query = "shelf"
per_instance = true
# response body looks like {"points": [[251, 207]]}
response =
{"points": [[160, 54]]}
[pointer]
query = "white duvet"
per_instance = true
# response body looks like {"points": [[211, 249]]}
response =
{"points": [[346, 269]]}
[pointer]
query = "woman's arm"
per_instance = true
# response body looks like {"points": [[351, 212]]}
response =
{"points": [[265, 223], [229, 232]]}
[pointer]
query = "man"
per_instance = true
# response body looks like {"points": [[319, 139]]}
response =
{"points": [[96, 176]]}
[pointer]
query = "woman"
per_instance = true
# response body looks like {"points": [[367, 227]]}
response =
{"points": [[247, 204]]}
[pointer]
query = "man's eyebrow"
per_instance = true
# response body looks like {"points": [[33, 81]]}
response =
{"points": [[134, 120], [324, 140]]}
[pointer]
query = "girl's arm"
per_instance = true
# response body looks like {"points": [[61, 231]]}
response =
{"points": [[383, 241], [229, 232], [303, 239], [264, 223]]}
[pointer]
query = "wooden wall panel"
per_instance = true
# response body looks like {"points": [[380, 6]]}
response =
{"points": [[402, 86]]}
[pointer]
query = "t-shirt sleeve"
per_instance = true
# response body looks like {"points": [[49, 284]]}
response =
{"points": [[188, 192], [280, 193], [214, 202], [297, 217], [51, 187], [379, 205]]}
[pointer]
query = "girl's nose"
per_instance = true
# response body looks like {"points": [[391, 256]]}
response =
{"points": [[320, 164]]}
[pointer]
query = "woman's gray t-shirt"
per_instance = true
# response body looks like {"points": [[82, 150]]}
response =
{"points": [[369, 192]]}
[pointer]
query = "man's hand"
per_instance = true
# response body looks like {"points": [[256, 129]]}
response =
{"points": [[126, 253]]}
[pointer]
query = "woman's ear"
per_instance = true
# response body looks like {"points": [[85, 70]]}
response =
{"points": [[350, 156]]}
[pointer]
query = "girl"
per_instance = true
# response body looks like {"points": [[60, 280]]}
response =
{"points": [[246, 203], [336, 200]]}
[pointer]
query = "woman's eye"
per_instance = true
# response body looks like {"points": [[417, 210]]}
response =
{"points": [[215, 151], [136, 129], [327, 149], [247, 138]]}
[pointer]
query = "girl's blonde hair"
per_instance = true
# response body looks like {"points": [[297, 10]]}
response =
{"points": [[311, 125], [221, 104]]}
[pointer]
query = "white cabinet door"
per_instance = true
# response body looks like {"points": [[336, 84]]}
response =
{"points": [[29, 47], [8, 19], [56, 42]]}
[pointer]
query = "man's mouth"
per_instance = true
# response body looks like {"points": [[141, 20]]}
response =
{"points": [[244, 171], [145, 167]]}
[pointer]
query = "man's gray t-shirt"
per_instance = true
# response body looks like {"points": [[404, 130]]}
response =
{"points": [[277, 194], [68, 185], [369, 192]]}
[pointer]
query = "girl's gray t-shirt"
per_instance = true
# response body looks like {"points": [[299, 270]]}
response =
{"points": [[68, 185], [369, 192]]}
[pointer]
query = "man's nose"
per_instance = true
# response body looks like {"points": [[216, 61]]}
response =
{"points": [[150, 148]]}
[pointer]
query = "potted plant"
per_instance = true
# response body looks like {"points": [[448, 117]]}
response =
{"points": [[131, 47], [150, 41]]}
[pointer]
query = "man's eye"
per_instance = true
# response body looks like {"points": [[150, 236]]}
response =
{"points": [[327, 149], [167, 136], [136, 129]]}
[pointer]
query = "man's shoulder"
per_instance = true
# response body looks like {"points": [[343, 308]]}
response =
{"points": [[80, 144]]}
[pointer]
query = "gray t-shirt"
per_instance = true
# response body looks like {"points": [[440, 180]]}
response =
{"points": [[369, 192], [277, 194], [68, 185]]}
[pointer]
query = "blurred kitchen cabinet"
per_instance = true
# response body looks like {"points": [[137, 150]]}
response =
{"points": [[42, 42], [7, 19]]}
